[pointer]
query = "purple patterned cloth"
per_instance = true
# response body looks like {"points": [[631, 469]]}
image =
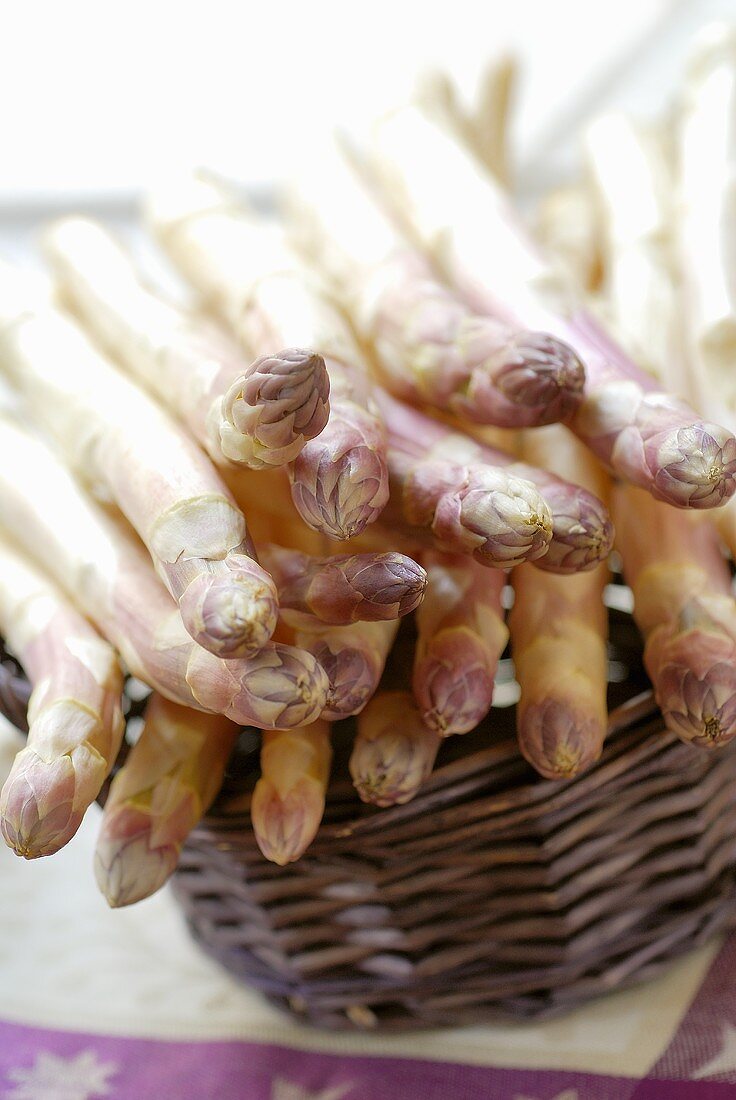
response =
{"points": [[53, 1065], [698, 1062]]}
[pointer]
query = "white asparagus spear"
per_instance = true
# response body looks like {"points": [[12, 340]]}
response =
{"points": [[289, 798], [484, 126], [394, 751], [633, 184], [109, 577], [559, 631], [75, 718], [452, 209], [118, 440], [169, 779], [424, 344], [461, 635], [243, 269], [566, 226], [254, 414], [706, 225], [671, 560], [707, 220]]}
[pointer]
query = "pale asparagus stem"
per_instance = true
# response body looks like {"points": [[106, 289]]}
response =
{"points": [[75, 718], [347, 588], [236, 261], [686, 612], [683, 602], [109, 577], [431, 348], [640, 276], [394, 751], [645, 436], [169, 779], [424, 343], [725, 524], [115, 437], [484, 127], [265, 497], [289, 798], [706, 223], [339, 482], [258, 414], [353, 658], [558, 636], [581, 530], [244, 269], [460, 637], [566, 226]]}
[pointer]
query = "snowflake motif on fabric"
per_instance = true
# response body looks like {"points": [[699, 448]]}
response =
{"points": [[289, 1090], [52, 1078], [723, 1063]]}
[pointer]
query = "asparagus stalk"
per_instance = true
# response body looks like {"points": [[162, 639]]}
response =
{"points": [[704, 229], [259, 414], [115, 437], [580, 533], [109, 577], [480, 510], [426, 345], [640, 276], [484, 127], [169, 779], [353, 658], [644, 435], [265, 497], [558, 631], [339, 482], [289, 798], [460, 637], [681, 585], [685, 610], [394, 751], [566, 226], [75, 718], [707, 158], [347, 588], [242, 268], [432, 349]]}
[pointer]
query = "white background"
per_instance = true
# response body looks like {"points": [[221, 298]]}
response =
{"points": [[98, 98]]}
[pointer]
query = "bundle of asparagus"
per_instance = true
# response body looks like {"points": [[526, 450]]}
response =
{"points": [[244, 269], [346, 378]]}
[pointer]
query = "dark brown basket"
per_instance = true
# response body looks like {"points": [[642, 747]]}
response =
{"points": [[493, 894]]}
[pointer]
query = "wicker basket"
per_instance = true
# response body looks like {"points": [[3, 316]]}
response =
{"points": [[493, 894]]}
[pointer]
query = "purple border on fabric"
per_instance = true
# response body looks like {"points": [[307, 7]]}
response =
{"points": [[146, 1069], [706, 1037]]}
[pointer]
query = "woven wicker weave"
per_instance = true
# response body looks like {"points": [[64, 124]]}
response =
{"points": [[493, 894]]}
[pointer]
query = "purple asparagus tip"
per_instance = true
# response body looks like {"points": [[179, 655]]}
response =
{"points": [[559, 739], [544, 375]]}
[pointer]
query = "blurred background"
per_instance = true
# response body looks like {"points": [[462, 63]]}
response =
{"points": [[99, 99]]}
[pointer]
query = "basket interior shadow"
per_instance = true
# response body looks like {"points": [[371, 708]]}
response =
{"points": [[493, 894]]}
